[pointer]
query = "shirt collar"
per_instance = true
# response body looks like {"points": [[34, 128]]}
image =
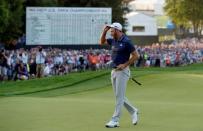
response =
{"points": [[121, 38]]}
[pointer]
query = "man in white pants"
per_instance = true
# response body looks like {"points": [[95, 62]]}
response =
{"points": [[122, 49]]}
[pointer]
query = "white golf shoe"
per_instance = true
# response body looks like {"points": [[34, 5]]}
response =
{"points": [[112, 124], [135, 118]]}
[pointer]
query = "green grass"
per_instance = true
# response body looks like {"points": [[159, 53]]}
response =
{"points": [[170, 99], [47, 84]]}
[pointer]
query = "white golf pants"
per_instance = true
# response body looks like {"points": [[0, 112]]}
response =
{"points": [[119, 81]]}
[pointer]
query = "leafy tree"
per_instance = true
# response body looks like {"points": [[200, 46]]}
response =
{"points": [[11, 20], [185, 13], [193, 10], [41, 3], [4, 15]]}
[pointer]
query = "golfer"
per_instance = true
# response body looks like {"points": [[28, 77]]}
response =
{"points": [[122, 49]]}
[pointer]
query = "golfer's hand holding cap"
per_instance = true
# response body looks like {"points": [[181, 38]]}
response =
{"points": [[106, 28]]}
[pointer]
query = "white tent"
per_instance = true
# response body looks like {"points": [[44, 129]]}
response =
{"points": [[141, 25]]}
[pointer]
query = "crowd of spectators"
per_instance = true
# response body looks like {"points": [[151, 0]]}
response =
{"points": [[178, 53], [22, 64]]}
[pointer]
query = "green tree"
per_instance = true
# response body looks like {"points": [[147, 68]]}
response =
{"points": [[186, 12], [41, 3], [11, 20], [192, 10], [4, 15]]}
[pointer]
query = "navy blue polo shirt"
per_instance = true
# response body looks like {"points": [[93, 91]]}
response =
{"points": [[121, 50]]}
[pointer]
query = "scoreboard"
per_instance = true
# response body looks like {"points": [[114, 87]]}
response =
{"points": [[65, 26]]}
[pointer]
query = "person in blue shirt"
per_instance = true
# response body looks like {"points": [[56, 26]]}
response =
{"points": [[123, 55], [22, 71]]}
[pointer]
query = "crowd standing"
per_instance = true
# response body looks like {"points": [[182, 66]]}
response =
{"points": [[37, 62], [178, 53], [22, 64]]}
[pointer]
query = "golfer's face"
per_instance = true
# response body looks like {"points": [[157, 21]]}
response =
{"points": [[113, 32]]}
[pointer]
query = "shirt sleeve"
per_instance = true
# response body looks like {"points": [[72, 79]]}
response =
{"points": [[130, 47]]}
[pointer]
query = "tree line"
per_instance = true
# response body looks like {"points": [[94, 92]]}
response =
{"points": [[186, 14]]}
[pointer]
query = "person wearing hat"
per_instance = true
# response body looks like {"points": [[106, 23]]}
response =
{"points": [[122, 49]]}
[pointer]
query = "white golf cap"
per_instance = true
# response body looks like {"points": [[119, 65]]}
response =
{"points": [[116, 25]]}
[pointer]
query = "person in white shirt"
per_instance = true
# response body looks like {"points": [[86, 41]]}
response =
{"points": [[25, 57], [40, 61], [47, 70]]}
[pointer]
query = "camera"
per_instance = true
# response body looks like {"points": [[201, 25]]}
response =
{"points": [[2, 51], [40, 49]]}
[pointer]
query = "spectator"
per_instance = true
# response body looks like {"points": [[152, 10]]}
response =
{"points": [[47, 70], [40, 61], [33, 66], [22, 71], [3, 65]]}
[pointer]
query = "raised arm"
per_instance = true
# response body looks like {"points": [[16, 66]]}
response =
{"points": [[103, 35]]}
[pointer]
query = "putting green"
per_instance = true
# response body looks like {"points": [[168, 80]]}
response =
{"points": [[168, 101]]}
